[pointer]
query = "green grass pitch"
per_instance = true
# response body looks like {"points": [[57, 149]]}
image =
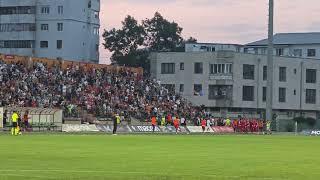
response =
{"points": [[158, 157]]}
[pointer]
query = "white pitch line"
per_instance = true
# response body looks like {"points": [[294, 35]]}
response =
{"points": [[31, 176], [122, 172]]}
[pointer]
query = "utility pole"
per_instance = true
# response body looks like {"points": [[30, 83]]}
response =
{"points": [[269, 114]]}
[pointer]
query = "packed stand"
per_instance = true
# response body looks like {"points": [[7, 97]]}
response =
{"points": [[99, 92]]}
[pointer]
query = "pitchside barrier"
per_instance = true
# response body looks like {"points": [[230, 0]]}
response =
{"points": [[69, 128], [311, 132], [40, 119]]}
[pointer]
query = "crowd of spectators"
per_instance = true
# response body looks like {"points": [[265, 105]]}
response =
{"points": [[98, 92]]}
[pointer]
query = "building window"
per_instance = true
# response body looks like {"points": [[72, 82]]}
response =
{"points": [[294, 92], [17, 27], [263, 51], [248, 93], [295, 71], [181, 66], [59, 44], [96, 14], [203, 48], [311, 75], [297, 52], [311, 96], [89, 4], [265, 73], [16, 44], [282, 94], [198, 68], [17, 10], [256, 50], [60, 26], [279, 51], [43, 44], [45, 10], [60, 9], [197, 90], [282, 74], [311, 52], [167, 68], [264, 94], [248, 71], [218, 92], [96, 30], [220, 68], [44, 27], [181, 89]]}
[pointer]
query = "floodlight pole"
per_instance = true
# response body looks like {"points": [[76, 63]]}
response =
{"points": [[269, 99]]}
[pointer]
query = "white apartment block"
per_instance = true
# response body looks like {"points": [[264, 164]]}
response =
{"points": [[56, 29], [229, 82]]}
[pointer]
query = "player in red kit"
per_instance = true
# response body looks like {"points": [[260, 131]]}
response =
{"points": [[235, 125], [176, 124], [203, 124]]}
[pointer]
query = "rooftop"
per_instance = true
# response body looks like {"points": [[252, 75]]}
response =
{"points": [[199, 43], [290, 39]]}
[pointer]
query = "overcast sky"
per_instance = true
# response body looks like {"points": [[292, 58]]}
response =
{"points": [[224, 21]]}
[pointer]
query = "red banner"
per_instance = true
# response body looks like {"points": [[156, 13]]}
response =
{"points": [[222, 129]]}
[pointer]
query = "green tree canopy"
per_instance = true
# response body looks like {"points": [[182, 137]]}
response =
{"points": [[132, 44], [162, 35]]}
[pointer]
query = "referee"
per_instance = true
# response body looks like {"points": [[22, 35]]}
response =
{"points": [[14, 129]]}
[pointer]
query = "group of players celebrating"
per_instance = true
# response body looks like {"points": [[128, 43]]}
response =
{"points": [[241, 125], [253, 126]]}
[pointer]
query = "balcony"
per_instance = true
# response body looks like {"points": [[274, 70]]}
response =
{"points": [[220, 77]]}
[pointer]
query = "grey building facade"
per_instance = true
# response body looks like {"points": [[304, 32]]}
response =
{"points": [[234, 83], [60, 29]]}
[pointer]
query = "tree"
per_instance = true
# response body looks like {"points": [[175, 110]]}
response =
{"points": [[124, 41], [132, 44], [162, 35], [191, 40]]}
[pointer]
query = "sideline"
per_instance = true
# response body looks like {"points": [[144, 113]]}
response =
{"points": [[3, 172]]}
